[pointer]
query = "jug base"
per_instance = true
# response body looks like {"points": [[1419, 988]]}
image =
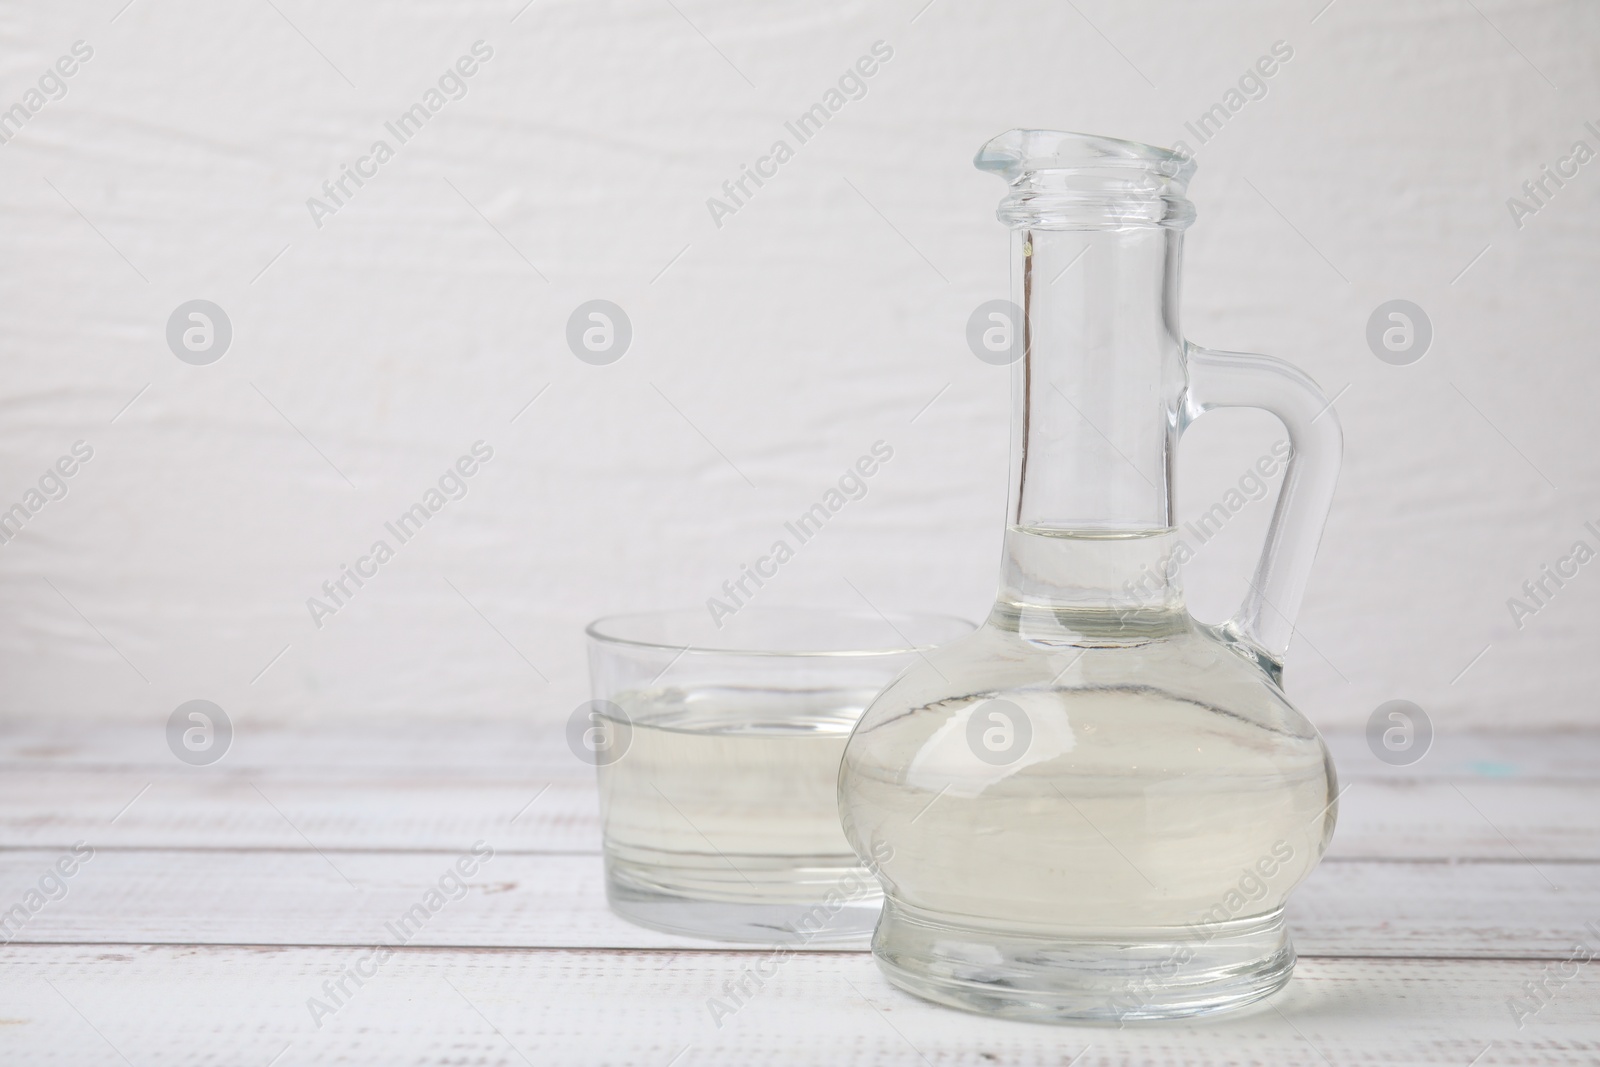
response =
{"points": [[1161, 973]]}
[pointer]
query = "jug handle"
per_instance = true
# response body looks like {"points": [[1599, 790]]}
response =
{"points": [[1264, 623]]}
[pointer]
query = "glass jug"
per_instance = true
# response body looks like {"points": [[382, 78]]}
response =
{"points": [[1094, 807]]}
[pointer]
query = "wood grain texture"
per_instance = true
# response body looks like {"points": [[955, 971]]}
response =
{"points": [[442, 786], [1441, 820], [445, 1007], [301, 897], [456, 745], [219, 901]]}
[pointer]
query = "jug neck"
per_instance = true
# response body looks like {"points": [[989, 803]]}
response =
{"points": [[1096, 392], [1094, 425], [1096, 251]]}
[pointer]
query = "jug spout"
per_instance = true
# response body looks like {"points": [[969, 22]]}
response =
{"points": [[1063, 180], [1017, 152]]}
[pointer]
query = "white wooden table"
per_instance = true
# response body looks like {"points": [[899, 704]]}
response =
{"points": [[219, 902]]}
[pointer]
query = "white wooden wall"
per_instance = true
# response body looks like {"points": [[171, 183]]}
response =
{"points": [[768, 352]]}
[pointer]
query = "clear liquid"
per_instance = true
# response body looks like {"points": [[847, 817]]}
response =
{"points": [[1129, 810], [722, 815], [1135, 854]]}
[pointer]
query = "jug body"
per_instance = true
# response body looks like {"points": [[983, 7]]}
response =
{"points": [[1094, 807], [1102, 826]]}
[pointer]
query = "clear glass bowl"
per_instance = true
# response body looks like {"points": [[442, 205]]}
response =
{"points": [[718, 752]]}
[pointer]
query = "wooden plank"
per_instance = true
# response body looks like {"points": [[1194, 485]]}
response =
{"points": [[544, 901], [123, 810], [417, 785], [1407, 819], [321, 837], [354, 748], [1462, 819], [349, 747], [88, 1004], [1526, 755]]}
